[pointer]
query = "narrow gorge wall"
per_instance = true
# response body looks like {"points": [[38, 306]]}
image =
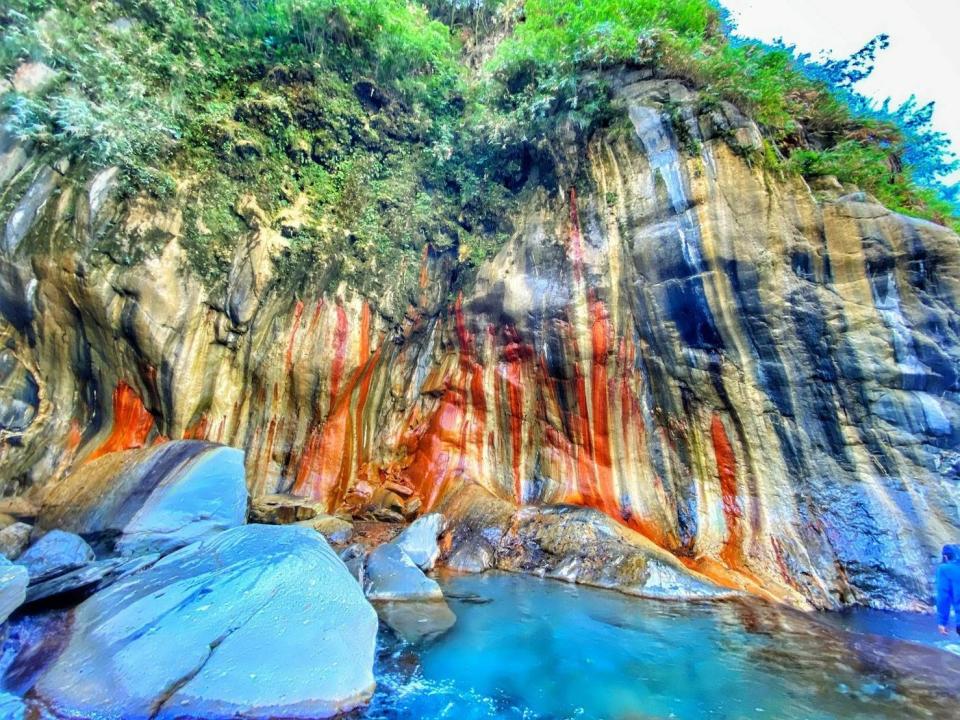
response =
{"points": [[760, 378]]}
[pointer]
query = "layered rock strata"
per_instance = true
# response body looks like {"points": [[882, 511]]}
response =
{"points": [[757, 377]]}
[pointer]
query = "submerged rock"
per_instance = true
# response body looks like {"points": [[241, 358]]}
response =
{"points": [[256, 622], [419, 541], [392, 575], [13, 588], [156, 499], [55, 553], [416, 622]]}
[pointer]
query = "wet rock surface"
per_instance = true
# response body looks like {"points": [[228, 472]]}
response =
{"points": [[417, 622], [71, 587], [419, 540], [186, 637], [390, 575]]}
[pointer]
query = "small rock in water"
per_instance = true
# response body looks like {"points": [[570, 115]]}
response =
{"points": [[55, 553], [419, 541], [417, 622], [13, 588], [469, 598], [14, 539], [391, 575]]}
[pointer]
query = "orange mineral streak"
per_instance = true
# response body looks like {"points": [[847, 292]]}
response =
{"points": [[512, 373], [197, 431], [74, 436], [439, 448], [339, 353], [600, 388], [132, 422], [727, 473], [333, 448]]}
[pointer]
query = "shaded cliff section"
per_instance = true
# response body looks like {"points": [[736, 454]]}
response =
{"points": [[758, 376]]}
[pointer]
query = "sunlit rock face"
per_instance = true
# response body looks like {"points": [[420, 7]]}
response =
{"points": [[758, 378], [154, 499], [188, 636]]}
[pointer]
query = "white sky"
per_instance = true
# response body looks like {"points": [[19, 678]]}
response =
{"points": [[923, 57]]}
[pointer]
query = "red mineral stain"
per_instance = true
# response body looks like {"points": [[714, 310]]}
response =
{"points": [[727, 472], [324, 469], [438, 449], [315, 318], [197, 431], [513, 378], [599, 387], [339, 353], [74, 436], [132, 422]]}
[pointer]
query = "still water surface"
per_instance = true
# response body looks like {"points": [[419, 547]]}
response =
{"points": [[524, 647]]}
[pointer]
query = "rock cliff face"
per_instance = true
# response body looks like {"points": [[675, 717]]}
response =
{"points": [[759, 377]]}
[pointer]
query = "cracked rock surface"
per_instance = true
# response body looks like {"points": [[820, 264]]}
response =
{"points": [[188, 636]]}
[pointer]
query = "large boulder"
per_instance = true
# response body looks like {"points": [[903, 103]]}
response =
{"points": [[154, 499], [392, 576], [13, 587], [54, 554], [419, 541], [255, 622]]}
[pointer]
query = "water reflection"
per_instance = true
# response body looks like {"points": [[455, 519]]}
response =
{"points": [[543, 649]]}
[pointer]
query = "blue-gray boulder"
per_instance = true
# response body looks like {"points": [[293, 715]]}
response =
{"points": [[255, 622]]}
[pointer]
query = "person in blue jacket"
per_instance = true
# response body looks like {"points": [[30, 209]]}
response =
{"points": [[948, 589]]}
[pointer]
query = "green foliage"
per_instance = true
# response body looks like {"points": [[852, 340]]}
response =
{"points": [[544, 75], [360, 126]]}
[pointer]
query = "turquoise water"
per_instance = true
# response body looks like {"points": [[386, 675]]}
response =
{"points": [[543, 649]]}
